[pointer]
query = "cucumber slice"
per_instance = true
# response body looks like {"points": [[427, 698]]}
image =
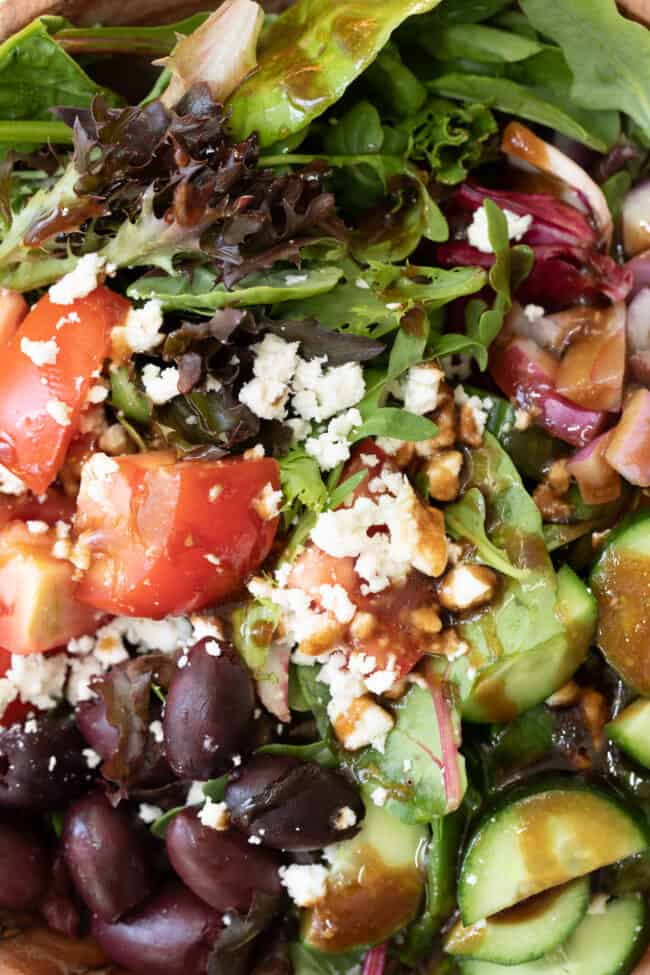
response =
{"points": [[540, 839], [631, 731], [528, 931], [610, 943], [621, 581], [375, 887]]}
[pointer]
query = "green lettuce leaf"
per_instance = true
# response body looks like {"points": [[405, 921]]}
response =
{"points": [[466, 520], [452, 139], [307, 59], [608, 54]]}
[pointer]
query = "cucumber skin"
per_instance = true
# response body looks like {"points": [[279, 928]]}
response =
{"points": [[537, 787], [631, 731], [549, 965]]}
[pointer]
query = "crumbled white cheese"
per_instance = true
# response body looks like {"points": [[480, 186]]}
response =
{"points": [[300, 429], [273, 368], [306, 883], [320, 393], [10, 484], [345, 818], [370, 728], [214, 815], [477, 232], [161, 385], [534, 312], [463, 588], [59, 411], [37, 527], [97, 394], [332, 447], [299, 620], [80, 282], [196, 796], [213, 649], [148, 813], [156, 730], [345, 686], [91, 757], [51, 765], [141, 329], [420, 388], [41, 353], [39, 680], [379, 796], [268, 503], [478, 407], [336, 600]]}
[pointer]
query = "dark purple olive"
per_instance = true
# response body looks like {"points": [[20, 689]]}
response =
{"points": [[42, 768], [293, 805], [59, 906], [105, 857], [220, 866], [173, 934], [24, 865], [208, 714], [93, 724]]}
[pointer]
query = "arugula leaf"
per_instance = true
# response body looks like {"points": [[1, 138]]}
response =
{"points": [[301, 480], [398, 424], [203, 296], [466, 520], [394, 84], [418, 794], [341, 491], [511, 266], [608, 54], [508, 96], [453, 343], [36, 75], [307, 59]]}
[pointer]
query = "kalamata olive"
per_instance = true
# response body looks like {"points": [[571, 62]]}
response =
{"points": [[59, 906], [173, 934], [220, 866], [293, 805], [93, 724], [24, 865], [105, 857], [42, 767], [209, 710]]}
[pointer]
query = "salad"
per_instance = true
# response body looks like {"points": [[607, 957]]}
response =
{"points": [[324, 519]]}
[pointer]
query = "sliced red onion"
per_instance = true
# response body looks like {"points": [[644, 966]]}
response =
{"points": [[552, 332], [638, 322], [273, 685], [592, 371], [635, 219], [628, 451], [639, 269], [526, 374], [597, 479], [520, 143], [374, 962]]}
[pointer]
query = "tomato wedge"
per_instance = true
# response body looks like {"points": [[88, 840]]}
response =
{"points": [[40, 405], [171, 537]]}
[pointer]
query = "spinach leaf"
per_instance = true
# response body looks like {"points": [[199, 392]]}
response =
{"points": [[390, 421], [307, 59], [608, 54], [458, 12], [36, 75], [393, 84], [305, 961], [476, 42], [411, 766], [203, 296], [466, 520], [319, 752], [508, 96]]}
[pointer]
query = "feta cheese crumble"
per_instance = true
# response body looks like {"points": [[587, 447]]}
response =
{"points": [[141, 330], [161, 385], [148, 813], [273, 368], [214, 815], [41, 353], [81, 281], [306, 883], [332, 447], [420, 388], [320, 393], [59, 411], [10, 484], [477, 232]]}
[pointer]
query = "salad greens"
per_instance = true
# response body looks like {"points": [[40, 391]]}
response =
{"points": [[335, 468]]}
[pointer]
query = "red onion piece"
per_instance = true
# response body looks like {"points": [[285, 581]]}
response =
{"points": [[551, 332], [592, 371], [520, 143], [639, 269], [597, 479], [526, 374], [635, 219], [628, 451]]}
